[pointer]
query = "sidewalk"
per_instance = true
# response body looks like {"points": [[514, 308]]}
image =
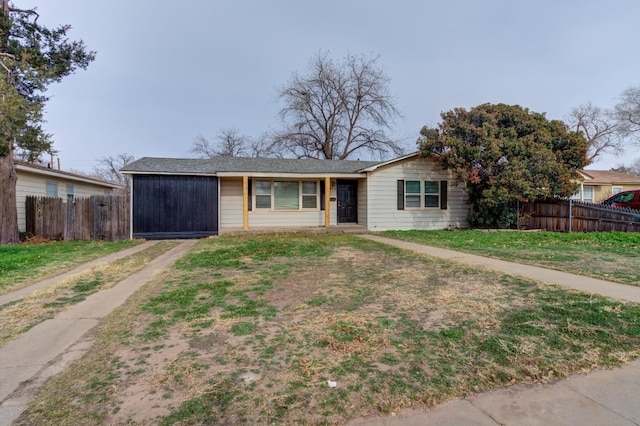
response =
{"points": [[549, 276], [604, 397], [46, 349]]}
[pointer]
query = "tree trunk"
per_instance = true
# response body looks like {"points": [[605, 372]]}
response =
{"points": [[8, 204]]}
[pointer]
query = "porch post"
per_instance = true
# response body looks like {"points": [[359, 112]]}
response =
{"points": [[327, 201], [245, 202]]}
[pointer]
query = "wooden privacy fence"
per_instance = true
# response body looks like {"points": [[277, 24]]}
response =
{"points": [[99, 217], [570, 215]]}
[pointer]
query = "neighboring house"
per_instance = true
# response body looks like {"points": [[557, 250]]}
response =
{"points": [[200, 197], [41, 181], [598, 185]]}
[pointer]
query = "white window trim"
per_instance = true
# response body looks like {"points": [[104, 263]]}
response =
{"points": [[422, 195], [272, 195], [408, 194]]}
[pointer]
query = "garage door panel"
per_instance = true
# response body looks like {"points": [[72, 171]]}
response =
{"points": [[175, 206]]}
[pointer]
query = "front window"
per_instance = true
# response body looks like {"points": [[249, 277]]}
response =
{"points": [[412, 194], [286, 195], [309, 195], [431, 193], [263, 194]]}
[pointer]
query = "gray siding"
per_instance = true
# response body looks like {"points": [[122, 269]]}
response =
{"points": [[382, 212]]}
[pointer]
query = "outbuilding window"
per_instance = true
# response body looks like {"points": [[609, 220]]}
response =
{"points": [[52, 189]]}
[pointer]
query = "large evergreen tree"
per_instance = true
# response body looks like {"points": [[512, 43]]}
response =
{"points": [[503, 154], [31, 58]]}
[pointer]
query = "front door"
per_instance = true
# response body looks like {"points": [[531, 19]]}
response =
{"points": [[347, 201]]}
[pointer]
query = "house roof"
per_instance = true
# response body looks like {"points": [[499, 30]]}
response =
{"points": [[609, 177], [47, 171], [234, 165], [392, 161]]}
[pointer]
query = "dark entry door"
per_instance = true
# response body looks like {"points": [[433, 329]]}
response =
{"points": [[347, 201]]}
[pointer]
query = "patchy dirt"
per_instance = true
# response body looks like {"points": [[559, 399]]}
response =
{"points": [[260, 343]]}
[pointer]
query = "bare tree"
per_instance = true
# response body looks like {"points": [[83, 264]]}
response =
{"points": [[108, 168], [599, 127], [627, 112], [337, 110], [230, 142], [262, 146], [227, 143], [633, 168]]}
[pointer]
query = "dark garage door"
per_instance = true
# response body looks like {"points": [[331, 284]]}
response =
{"points": [[175, 206]]}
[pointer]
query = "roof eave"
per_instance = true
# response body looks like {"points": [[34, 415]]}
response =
{"points": [[54, 173]]}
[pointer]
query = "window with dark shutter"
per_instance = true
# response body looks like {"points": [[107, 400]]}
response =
{"points": [[322, 195], [444, 186], [250, 199], [400, 194]]}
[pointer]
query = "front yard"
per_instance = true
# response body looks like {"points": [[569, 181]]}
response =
{"points": [[611, 256], [257, 330]]}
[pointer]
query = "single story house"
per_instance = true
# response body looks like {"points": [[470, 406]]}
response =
{"points": [[41, 181], [190, 198], [598, 185]]}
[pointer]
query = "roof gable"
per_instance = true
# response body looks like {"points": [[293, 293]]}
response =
{"points": [[609, 177]]}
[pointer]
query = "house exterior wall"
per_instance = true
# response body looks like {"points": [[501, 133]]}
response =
{"points": [[231, 210], [602, 191], [381, 202], [362, 202], [36, 184], [231, 213]]}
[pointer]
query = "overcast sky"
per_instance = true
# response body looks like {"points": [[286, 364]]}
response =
{"points": [[167, 71]]}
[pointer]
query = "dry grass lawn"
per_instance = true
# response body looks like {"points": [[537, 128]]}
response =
{"points": [[253, 330]]}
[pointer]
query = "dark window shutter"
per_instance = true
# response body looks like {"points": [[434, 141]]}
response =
{"points": [[444, 186], [400, 194], [322, 195], [250, 199]]}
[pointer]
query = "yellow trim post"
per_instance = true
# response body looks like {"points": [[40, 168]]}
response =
{"points": [[327, 202], [245, 202]]}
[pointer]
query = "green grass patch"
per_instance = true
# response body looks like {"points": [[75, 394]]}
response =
{"points": [[606, 255], [393, 329], [21, 315], [22, 264]]}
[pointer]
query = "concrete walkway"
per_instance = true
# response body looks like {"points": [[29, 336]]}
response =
{"points": [[604, 397], [46, 349], [549, 276], [25, 291]]}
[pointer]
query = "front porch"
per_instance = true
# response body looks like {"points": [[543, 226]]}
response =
{"points": [[344, 228]]}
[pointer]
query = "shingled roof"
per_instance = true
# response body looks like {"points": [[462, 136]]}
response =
{"points": [[212, 166], [610, 177]]}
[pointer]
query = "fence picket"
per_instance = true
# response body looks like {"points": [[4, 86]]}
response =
{"points": [[554, 215], [94, 218]]}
